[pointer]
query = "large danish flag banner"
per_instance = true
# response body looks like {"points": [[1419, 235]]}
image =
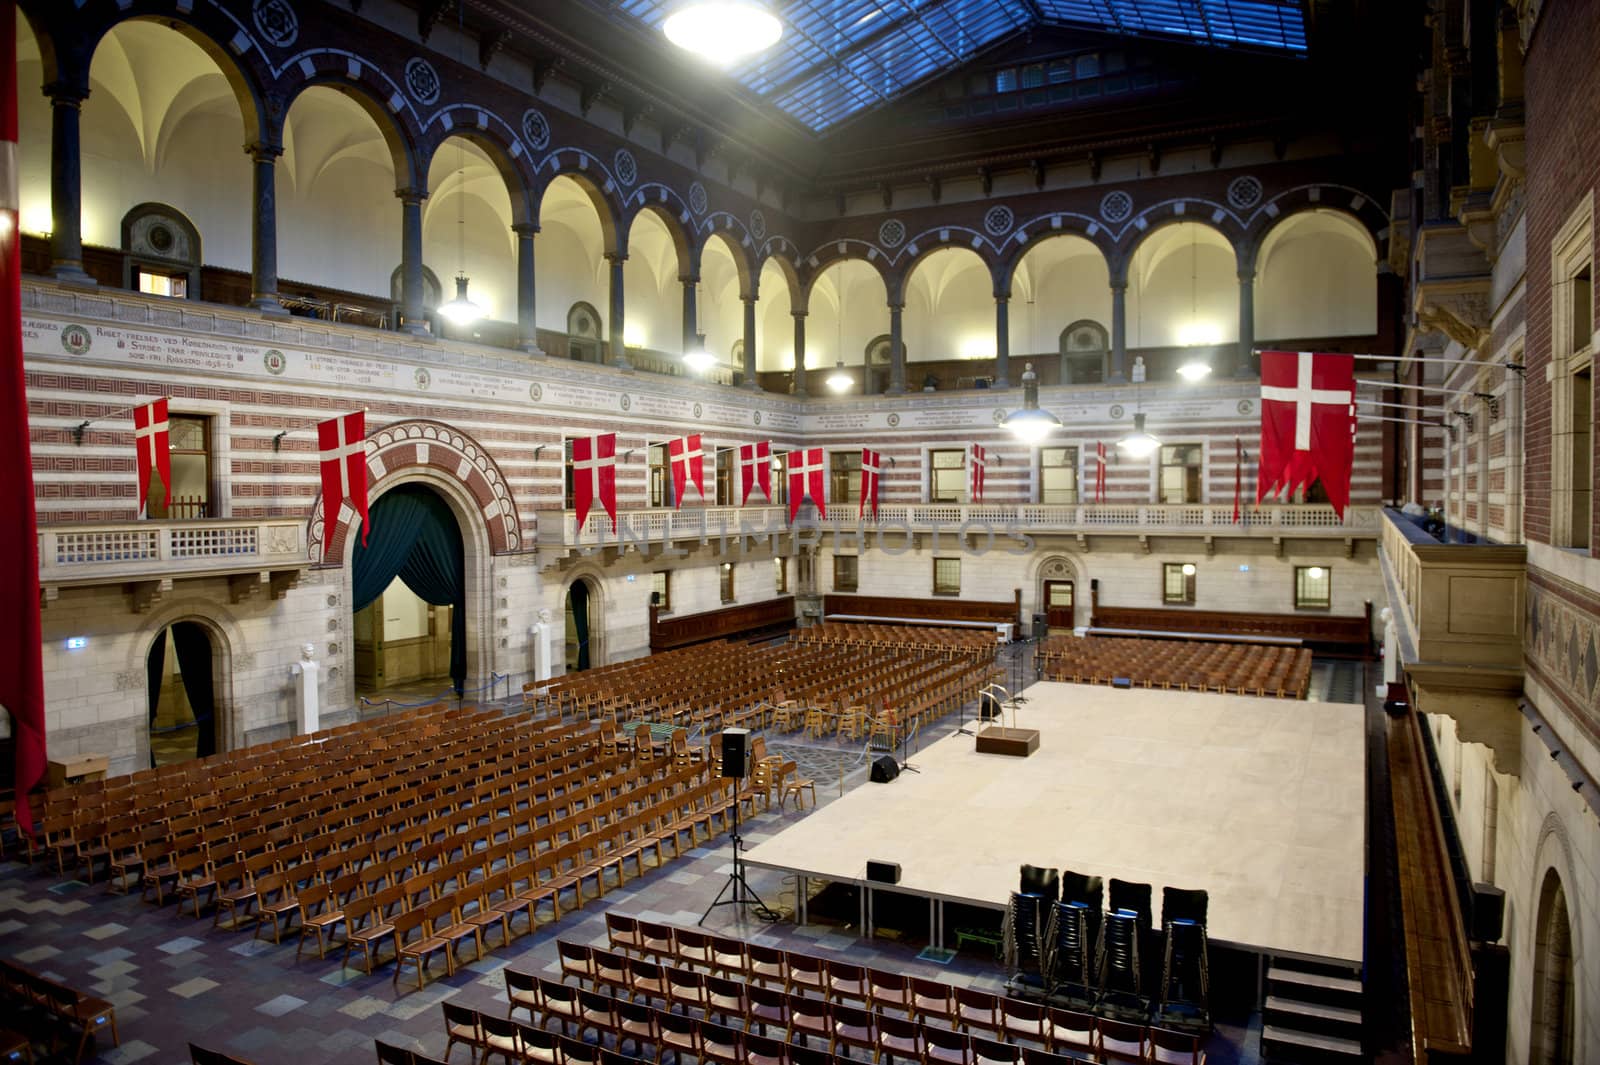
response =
{"points": [[21, 652], [688, 464], [805, 479], [755, 470], [979, 464], [342, 443], [1100, 472], [1308, 423], [153, 441], [594, 476], [871, 463]]}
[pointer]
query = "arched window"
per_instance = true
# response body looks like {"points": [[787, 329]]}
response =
{"points": [[163, 252], [583, 329], [1551, 1031], [1084, 345]]}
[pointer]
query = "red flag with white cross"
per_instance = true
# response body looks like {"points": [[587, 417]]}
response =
{"points": [[1100, 472], [755, 470], [805, 479], [688, 465], [1307, 423], [980, 464], [594, 476], [342, 446], [871, 464], [152, 439]]}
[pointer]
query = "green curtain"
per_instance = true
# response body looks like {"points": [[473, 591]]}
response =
{"points": [[193, 645], [416, 538]]}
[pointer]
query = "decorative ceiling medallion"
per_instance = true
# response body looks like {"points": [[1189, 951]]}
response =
{"points": [[758, 224], [697, 198], [998, 221], [1244, 192], [422, 81], [1116, 206], [892, 233], [276, 21], [627, 169], [535, 130]]}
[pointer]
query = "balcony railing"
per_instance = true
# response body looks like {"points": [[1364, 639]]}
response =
{"points": [[558, 528], [1461, 606], [142, 550]]}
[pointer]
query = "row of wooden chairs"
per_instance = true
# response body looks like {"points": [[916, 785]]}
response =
{"points": [[947, 640], [56, 1011], [767, 971], [1244, 669]]}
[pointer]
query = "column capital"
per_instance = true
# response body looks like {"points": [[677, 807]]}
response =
{"points": [[411, 194], [525, 229], [616, 258], [65, 93], [263, 151], [1247, 274], [1003, 297], [896, 308], [799, 314], [1119, 285], [689, 279], [748, 299]]}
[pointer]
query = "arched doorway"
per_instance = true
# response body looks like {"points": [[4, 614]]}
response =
{"points": [[181, 690], [1551, 1034], [1060, 592], [409, 593], [582, 619]]}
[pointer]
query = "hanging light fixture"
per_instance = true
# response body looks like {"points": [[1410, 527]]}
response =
{"points": [[1031, 425], [1194, 370], [722, 32], [697, 358], [1195, 333], [839, 380], [461, 310], [1139, 443]]}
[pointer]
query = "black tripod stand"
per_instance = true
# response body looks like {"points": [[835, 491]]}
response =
{"points": [[742, 893]]}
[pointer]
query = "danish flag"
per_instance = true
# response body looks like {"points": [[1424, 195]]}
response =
{"points": [[342, 443], [871, 463], [805, 479], [594, 474], [1308, 423], [755, 468], [980, 462], [688, 464], [1100, 472], [150, 437]]}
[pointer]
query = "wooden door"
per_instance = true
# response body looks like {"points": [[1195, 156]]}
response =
{"points": [[1058, 604]]}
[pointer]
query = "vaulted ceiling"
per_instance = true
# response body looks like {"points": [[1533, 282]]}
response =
{"points": [[839, 58]]}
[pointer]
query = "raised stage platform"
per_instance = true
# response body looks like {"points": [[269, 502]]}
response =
{"points": [[1258, 801]]}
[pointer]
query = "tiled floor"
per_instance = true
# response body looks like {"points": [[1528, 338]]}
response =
{"points": [[174, 979]]}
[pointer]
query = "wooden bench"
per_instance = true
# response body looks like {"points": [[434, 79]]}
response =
{"points": [[1337, 634]]}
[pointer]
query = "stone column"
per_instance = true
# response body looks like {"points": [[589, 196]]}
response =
{"points": [[619, 354], [1002, 341], [1244, 362], [799, 352], [264, 228], [897, 352], [411, 295], [527, 290], [66, 183], [1119, 330], [750, 343], [691, 335]]}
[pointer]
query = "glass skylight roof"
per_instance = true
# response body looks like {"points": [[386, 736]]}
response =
{"points": [[840, 57]]}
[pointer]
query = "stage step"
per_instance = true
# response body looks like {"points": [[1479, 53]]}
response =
{"points": [[1312, 1017], [1307, 1048], [1298, 984]]}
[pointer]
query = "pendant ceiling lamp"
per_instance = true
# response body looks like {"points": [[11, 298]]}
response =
{"points": [[697, 358], [1031, 425], [722, 32], [461, 310]]}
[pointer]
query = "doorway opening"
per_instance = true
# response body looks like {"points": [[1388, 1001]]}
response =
{"points": [[579, 615], [409, 597], [182, 694]]}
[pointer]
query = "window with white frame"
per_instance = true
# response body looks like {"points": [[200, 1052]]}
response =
{"points": [[1058, 475], [947, 475], [1572, 391], [1313, 588]]}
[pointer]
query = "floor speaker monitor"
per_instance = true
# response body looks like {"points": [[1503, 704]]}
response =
{"points": [[883, 872], [735, 752], [884, 769]]}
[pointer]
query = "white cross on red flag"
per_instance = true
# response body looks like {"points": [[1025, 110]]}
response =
{"points": [[805, 479], [688, 464], [342, 446], [871, 464], [1100, 472], [594, 476], [755, 469], [151, 438], [1308, 423], [979, 465]]}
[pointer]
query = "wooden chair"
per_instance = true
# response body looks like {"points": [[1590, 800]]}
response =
{"points": [[464, 1025], [796, 785]]}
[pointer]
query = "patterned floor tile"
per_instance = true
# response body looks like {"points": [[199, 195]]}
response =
{"points": [[363, 1007], [181, 945], [277, 1007], [130, 1050], [105, 931], [190, 988]]}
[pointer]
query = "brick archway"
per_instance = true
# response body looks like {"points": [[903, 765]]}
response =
{"points": [[403, 448]]}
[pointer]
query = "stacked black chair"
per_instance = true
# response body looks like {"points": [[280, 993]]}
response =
{"points": [[1125, 895], [1073, 935], [1117, 968], [1183, 1002], [1024, 926]]}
